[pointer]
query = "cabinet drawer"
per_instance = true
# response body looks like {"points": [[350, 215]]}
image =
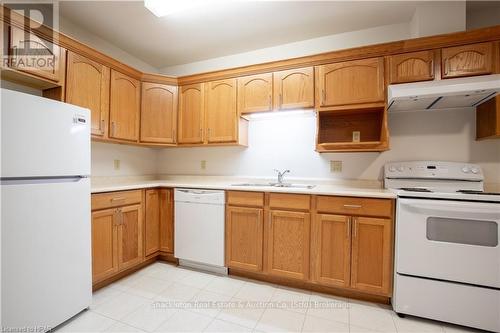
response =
{"points": [[289, 201], [115, 199], [354, 206], [241, 198]]}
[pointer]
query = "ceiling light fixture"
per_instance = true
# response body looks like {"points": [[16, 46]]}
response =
{"points": [[167, 7]]}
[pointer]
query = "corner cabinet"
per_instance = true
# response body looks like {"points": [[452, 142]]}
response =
{"points": [[221, 111], [124, 113], [191, 113], [158, 113], [166, 220], [87, 85], [255, 93], [350, 83]]}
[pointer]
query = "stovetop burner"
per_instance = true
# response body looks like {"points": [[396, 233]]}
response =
{"points": [[415, 189]]}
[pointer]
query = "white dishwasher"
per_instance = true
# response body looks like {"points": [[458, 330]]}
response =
{"points": [[199, 229]]}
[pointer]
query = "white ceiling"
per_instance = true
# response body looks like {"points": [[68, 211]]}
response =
{"points": [[225, 29]]}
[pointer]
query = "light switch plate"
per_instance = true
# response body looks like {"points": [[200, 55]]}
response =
{"points": [[203, 165], [356, 136], [335, 166], [116, 164]]}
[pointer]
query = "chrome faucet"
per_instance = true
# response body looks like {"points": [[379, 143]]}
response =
{"points": [[281, 175]]}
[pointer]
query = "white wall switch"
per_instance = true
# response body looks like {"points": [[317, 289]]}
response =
{"points": [[203, 165], [356, 136], [335, 166], [116, 164]]}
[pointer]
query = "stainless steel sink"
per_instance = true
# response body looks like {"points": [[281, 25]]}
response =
{"points": [[276, 185]]}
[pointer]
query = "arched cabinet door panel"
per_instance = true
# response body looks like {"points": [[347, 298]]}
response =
{"points": [[125, 105], [158, 113], [191, 113], [221, 111], [350, 82], [467, 60], [255, 93], [87, 85], [412, 67], [294, 89]]}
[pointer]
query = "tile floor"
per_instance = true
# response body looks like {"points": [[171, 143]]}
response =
{"points": [[162, 298]]}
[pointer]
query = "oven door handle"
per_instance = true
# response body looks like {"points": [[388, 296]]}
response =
{"points": [[491, 210]]}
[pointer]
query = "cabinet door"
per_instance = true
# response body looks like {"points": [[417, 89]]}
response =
{"points": [[124, 107], [411, 67], [104, 244], [166, 221], [158, 113], [288, 244], [294, 89], [87, 85], [152, 223], [221, 113], [244, 238], [35, 55], [467, 60], [371, 266], [130, 241], [331, 250], [255, 93], [191, 113], [351, 82]]}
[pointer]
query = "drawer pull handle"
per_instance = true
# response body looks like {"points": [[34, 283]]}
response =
{"points": [[118, 199], [353, 206]]}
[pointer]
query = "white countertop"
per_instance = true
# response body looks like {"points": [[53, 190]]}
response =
{"points": [[342, 188]]}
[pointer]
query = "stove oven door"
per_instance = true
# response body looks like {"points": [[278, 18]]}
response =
{"points": [[449, 240]]}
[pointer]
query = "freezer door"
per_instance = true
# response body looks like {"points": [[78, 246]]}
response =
{"points": [[45, 251], [43, 138]]}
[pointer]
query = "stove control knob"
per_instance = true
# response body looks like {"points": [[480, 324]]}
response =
{"points": [[400, 168], [474, 170], [465, 169], [392, 168]]}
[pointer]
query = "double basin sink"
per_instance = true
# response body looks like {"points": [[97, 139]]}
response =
{"points": [[288, 185]]}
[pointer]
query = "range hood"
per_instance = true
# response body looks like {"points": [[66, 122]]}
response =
{"points": [[443, 94]]}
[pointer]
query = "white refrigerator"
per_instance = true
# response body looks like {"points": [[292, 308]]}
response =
{"points": [[45, 211]]}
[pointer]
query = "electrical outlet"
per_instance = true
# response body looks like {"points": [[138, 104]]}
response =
{"points": [[335, 166], [116, 164], [356, 136], [203, 165]]}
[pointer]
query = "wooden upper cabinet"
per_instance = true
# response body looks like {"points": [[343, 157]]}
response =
{"points": [[221, 111], [130, 241], [191, 113], [244, 238], [152, 222], [255, 93], [294, 89], [87, 85], [371, 266], [488, 119], [125, 107], [411, 67], [35, 55], [331, 250], [104, 244], [166, 220], [350, 82], [158, 113], [288, 244], [467, 60]]}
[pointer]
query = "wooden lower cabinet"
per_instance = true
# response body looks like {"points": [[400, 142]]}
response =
{"points": [[371, 265], [331, 250], [244, 238], [104, 244], [166, 220], [130, 241], [152, 222], [288, 244]]}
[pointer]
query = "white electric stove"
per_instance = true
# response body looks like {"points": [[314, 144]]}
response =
{"points": [[447, 253]]}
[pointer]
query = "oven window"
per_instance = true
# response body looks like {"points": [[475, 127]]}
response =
{"points": [[472, 232]]}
